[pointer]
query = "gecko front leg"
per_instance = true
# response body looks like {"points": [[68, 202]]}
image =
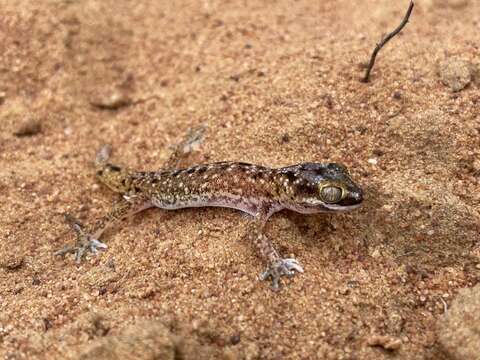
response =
{"points": [[277, 267], [189, 143], [88, 237]]}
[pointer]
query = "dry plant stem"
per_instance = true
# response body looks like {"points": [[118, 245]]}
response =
{"points": [[385, 40]]}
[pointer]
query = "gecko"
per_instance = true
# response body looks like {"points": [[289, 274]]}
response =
{"points": [[259, 191]]}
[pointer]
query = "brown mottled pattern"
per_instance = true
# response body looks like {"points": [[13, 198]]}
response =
{"points": [[257, 190], [238, 185]]}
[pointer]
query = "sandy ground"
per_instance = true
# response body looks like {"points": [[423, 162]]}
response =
{"points": [[277, 83]]}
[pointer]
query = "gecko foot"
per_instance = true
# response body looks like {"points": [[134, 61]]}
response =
{"points": [[279, 268], [189, 143], [85, 242], [193, 139]]}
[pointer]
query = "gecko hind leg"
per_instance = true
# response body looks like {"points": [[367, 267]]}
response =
{"points": [[87, 237], [279, 268], [85, 241]]}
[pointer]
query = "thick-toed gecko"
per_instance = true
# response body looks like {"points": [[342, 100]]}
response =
{"points": [[257, 190]]}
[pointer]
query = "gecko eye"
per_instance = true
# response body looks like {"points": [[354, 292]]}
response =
{"points": [[331, 194]]}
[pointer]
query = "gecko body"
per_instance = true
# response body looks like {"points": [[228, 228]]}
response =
{"points": [[257, 190], [240, 186]]}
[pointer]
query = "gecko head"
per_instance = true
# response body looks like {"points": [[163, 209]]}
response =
{"points": [[323, 188]]}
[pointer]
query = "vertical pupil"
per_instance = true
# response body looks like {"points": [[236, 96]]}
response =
{"points": [[331, 194]]}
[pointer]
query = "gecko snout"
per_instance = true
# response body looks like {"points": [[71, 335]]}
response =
{"points": [[353, 197]]}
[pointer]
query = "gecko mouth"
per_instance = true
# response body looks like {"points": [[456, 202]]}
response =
{"points": [[308, 208], [335, 207]]}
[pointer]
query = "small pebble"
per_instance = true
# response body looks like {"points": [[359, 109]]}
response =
{"points": [[386, 342], [285, 138], [455, 73], [12, 262], [476, 165], [397, 95], [235, 339], [29, 127], [453, 4], [113, 101], [376, 254]]}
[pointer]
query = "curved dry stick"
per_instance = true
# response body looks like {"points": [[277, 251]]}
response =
{"points": [[387, 39]]}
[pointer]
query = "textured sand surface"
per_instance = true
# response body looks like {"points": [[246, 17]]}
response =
{"points": [[277, 83]]}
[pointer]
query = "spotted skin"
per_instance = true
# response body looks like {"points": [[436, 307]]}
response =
{"points": [[257, 190]]}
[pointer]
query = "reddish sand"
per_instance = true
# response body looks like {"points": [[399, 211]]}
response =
{"points": [[277, 83]]}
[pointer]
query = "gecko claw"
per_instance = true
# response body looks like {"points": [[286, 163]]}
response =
{"points": [[193, 139], [96, 244], [279, 268], [84, 245], [85, 242]]}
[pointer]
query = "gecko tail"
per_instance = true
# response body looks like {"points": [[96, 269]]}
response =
{"points": [[103, 155], [113, 176]]}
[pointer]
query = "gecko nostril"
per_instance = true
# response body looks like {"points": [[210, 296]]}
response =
{"points": [[359, 196]]}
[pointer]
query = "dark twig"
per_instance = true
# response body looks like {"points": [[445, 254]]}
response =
{"points": [[387, 39]]}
